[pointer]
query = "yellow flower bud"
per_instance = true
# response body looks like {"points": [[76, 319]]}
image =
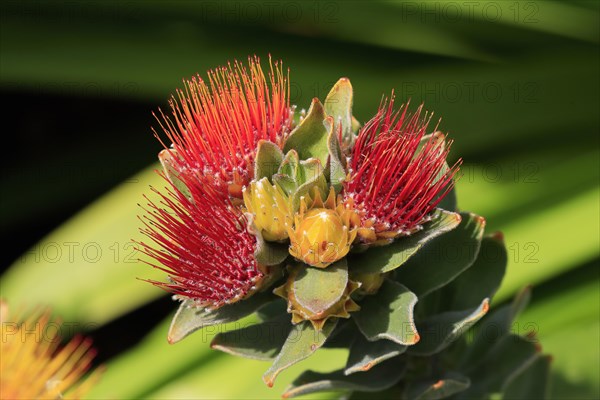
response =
{"points": [[324, 233], [270, 207]]}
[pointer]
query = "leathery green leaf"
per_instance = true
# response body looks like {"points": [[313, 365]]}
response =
{"points": [[313, 176], [494, 327], [189, 319], [439, 331], [444, 258], [480, 280], [318, 289], [365, 355], [504, 360], [389, 315], [269, 253], [380, 377], [387, 258], [267, 161], [447, 385], [336, 167], [302, 341], [532, 383], [309, 138], [258, 342], [338, 105]]}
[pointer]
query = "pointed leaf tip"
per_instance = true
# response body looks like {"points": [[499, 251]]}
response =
{"points": [[301, 343], [190, 318]]}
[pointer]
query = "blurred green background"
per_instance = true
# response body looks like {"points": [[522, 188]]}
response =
{"points": [[516, 83]]}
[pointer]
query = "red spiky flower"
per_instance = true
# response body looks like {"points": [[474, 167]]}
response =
{"points": [[202, 242], [215, 125], [397, 177]]}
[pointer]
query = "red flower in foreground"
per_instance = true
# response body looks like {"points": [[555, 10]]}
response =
{"points": [[397, 177], [215, 126], [204, 246]]}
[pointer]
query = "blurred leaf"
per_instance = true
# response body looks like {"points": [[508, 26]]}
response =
{"points": [[507, 356], [532, 383], [494, 328], [569, 334], [536, 243], [86, 270], [236, 378], [378, 378], [156, 362]]}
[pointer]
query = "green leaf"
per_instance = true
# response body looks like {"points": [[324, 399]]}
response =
{"points": [[506, 358], [444, 258], [343, 335], [388, 315], [269, 253], [309, 138], [268, 160], [189, 319], [387, 258], [439, 331], [318, 289], [494, 327], [272, 310], [531, 383], [258, 342], [380, 377], [336, 168], [86, 269], [563, 317], [448, 385], [338, 105], [481, 280], [166, 160], [299, 178], [289, 165], [302, 341], [310, 175], [365, 355]]}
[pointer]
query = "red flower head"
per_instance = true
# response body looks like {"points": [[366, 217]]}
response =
{"points": [[216, 125], [396, 176], [203, 244]]}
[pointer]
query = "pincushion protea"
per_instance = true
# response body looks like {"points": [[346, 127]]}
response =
{"points": [[203, 244], [397, 177], [215, 124], [369, 253], [33, 365]]}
